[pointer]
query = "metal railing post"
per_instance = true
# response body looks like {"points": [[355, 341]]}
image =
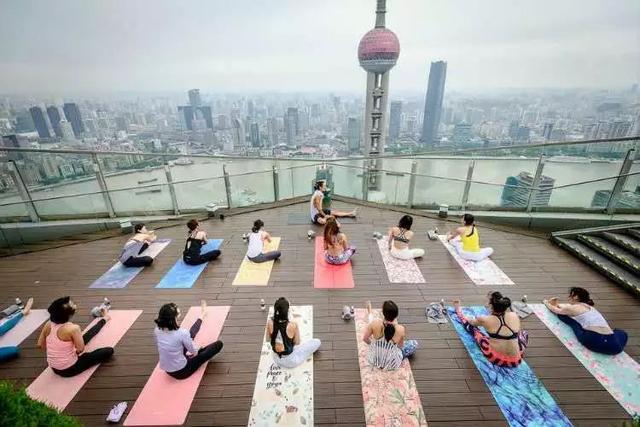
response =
{"points": [[621, 181], [276, 184], [227, 185], [467, 185], [365, 180], [103, 186], [536, 183], [24, 191], [172, 190], [412, 183]]}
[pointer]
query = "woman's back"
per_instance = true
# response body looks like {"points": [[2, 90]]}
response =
{"points": [[61, 351], [401, 237], [334, 245], [503, 332], [385, 354]]}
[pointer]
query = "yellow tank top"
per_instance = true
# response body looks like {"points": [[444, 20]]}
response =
{"points": [[471, 243]]}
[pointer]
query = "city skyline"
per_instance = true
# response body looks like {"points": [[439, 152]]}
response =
{"points": [[120, 47]]}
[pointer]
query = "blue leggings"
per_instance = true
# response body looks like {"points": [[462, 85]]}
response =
{"points": [[605, 344], [7, 353], [409, 348]]}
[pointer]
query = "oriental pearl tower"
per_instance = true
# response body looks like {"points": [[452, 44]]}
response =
{"points": [[378, 52]]}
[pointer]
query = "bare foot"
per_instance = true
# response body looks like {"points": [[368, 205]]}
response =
{"points": [[203, 307], [27, 307], [104, 314], [368, 306]]}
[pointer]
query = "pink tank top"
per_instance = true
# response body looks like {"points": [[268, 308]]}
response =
{"points": [[60, 354]]}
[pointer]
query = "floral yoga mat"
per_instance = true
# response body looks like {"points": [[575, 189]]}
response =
{"points": [[521, 396], [399, 270], [619, 374], [390, 397], [484, 272], [284, 397]]}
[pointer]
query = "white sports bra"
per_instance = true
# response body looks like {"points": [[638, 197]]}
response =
{"points": [[591, 318]]}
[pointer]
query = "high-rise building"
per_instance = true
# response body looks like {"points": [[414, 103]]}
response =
{"points": [[186, 116], [72, 113], [517, 190], [54, 118], [40, 122], [462, 133], [223, 122], [11, 141], [353, 135], [254, 135], [272, 131], [194, 98], [205, 110], [66, 129], [395, 120], [291, 125], [239, 136], [433, 103], [378, 52], [546, 132]]}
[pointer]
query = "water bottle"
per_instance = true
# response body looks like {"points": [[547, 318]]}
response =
{"points": [[262, 305], [19, 302], [524, 299], [311, 234]]}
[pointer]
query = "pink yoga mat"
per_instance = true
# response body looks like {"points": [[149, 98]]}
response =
{"points": [[328, 275], [57, 391], [165, 401], [24, 328]]}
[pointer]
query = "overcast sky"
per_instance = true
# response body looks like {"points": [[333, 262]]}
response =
{"points": [[62, 46]]}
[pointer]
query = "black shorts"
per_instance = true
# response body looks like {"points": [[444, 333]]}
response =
{"points": [[325, 211]]}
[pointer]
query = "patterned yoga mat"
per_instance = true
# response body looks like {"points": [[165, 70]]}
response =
{"points": [[399, 270], [484, 272], [521, 396], [619, 374], [284, 397], [390, 397]]}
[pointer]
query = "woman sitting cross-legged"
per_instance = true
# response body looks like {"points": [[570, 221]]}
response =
{"points": [[505, 342], [257, 237], [179, 356], [466, 240], [65, 343], [399, 238], [588, 324], [284, 336], [386, 339], [336, 246], [196, 239]]}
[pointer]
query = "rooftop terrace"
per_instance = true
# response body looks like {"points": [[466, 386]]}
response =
{"points": [[451, 388]]}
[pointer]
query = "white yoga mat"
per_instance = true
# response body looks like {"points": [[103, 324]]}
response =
{"points": [[484, 272]]}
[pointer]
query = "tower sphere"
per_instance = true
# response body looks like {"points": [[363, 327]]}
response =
{"points": [[378, 50]]}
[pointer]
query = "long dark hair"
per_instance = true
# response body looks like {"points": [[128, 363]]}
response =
{"points": [[582, 295], [60, 311], [167, 317], [331, 230], [469, 220], [281, 310], [138, 227], [192, 225], [390, 313], [318, 184], [257, 225], [499, 303], [406, 222]]}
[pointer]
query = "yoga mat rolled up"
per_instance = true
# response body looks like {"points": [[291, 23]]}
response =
{"points": [[521, 396], [165, 400], [390, 397], [119, 276], [57, 391], [284, 397], [183, 275], [256, 273], [484, 272], [329, 276]]}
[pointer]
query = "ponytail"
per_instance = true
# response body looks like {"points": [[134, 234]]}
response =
{"points": [[281, 310], [257, 225], [469, 221], [581, 294], [389, 331], [499, 303], [390, 313]]}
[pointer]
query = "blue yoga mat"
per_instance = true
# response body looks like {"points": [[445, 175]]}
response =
{"points": [[119, 276], [521, 396], [183, 275]]}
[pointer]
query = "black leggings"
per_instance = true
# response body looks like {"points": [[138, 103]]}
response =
{"points": [[606, 344], [201, 258], [197, 360], [88, 359], [140, 261]]}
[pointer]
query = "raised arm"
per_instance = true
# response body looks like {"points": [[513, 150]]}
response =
{"points": [[455, 233]]}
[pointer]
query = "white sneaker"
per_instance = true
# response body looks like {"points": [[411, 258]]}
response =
{"points": [[116, 412]]}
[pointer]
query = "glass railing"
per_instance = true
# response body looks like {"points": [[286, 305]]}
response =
{"points": [[594, 176]]}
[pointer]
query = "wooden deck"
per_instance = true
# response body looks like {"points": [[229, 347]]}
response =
{"points": [[450, 387]]}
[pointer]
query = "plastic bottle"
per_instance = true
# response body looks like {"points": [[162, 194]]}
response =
{"points": [[262, 305]]}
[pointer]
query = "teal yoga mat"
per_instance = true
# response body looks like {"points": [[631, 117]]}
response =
{"points": [[521, 396], [183, 275]]}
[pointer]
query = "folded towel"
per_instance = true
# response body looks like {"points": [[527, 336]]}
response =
{"points": [[435, 313]]}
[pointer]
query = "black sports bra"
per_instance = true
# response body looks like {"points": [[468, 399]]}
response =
{"points": [[503, 324], [401, 237]]}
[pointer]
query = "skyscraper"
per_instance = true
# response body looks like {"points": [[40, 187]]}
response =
{"points": [[255, 135], [72, 113], [517, 191], [54, 119], [395, 120], [40, 122], [433, 103], [194, 98], [239, 137], [186, 116], [272, 131], [353, 135], [378, 52], [291, 125]]}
